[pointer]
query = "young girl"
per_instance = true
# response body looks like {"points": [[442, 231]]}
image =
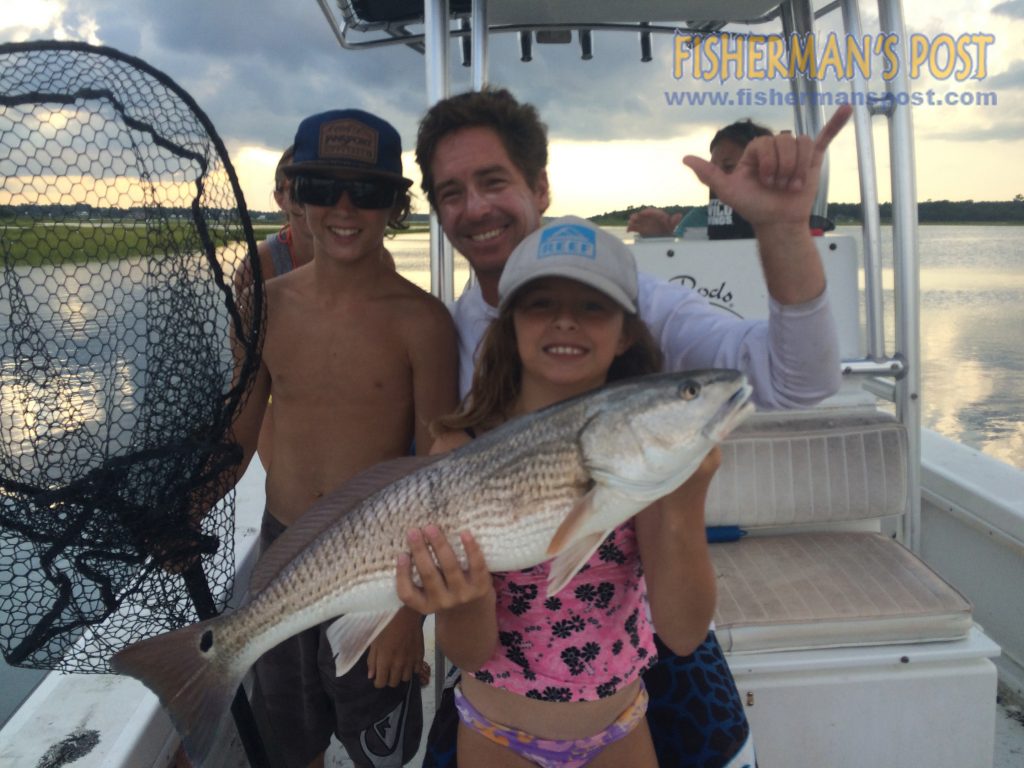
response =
{"points": [[555, 680]]}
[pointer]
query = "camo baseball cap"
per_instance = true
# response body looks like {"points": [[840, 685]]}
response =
{"points": [[577, 249], [347, 143]]}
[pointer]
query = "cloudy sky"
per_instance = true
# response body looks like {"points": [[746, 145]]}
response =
{"points": [[257, 68]]}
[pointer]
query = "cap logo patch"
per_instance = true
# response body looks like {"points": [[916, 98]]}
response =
{"points": [[569, 240], [348, 139]]}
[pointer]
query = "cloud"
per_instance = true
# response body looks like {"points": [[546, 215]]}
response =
{"points": [[1012, 78], [1004, 131], [1012, 8], [45, 19], [257, 67]]}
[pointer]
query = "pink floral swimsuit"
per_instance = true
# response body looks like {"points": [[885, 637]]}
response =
{"points": [[583, 644]]}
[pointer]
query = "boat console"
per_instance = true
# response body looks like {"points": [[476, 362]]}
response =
{"points": [[840, 638]]}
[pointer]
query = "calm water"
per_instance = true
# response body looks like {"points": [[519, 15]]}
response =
{"points": [[972, 318]]}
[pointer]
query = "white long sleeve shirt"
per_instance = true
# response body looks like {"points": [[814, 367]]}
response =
{"points": [[791, 359]]}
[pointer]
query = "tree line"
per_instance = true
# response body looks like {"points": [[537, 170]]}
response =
{"points": [[928, 212]]}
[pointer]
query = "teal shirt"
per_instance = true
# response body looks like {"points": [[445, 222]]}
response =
{"points": [[697, 217]]}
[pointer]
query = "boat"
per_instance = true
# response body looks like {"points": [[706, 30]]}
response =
{"points": [[854, 498]]}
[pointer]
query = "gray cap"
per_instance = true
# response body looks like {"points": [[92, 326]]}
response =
{"points": [[578, 249]]}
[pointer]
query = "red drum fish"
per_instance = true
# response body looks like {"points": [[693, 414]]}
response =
{"points": [[550, 485]]}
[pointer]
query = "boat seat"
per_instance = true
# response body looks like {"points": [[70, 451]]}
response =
{"points": [[828, 590], [825, 465], [803, 579]]}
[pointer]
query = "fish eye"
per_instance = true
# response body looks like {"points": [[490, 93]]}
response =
{"points": [[689, 390]]}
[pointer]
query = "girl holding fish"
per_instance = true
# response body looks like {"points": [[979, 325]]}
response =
{"points": [[556, 679]]}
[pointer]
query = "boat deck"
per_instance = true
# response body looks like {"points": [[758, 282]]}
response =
{"points": [[64, 707], [1009, 734], [1009, 752]]}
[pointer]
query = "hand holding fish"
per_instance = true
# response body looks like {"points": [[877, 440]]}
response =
{"points": [[463, 600], [700, 480], [677, 561], [446, 585]]}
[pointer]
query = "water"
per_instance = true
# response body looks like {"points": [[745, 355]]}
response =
{"points": [[972, 316], [972, 353], [92, 376]]}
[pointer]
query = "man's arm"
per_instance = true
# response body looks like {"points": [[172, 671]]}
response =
{"points": [[245, 429], [793, 359], [773, 188]]}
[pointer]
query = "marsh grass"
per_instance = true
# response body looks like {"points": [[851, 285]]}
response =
{"points": [[33, 243]]}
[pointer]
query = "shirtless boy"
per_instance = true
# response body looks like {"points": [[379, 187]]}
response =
{"points": [[359, 362], [280, 253]]}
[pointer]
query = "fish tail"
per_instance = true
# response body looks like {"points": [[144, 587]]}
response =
{"points": [[193, 682]]}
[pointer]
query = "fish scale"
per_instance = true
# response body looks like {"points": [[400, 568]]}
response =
{"points": [[553, 483], [535, 485]]}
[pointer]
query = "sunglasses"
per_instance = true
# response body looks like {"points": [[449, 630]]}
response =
{"points": [[316, 190]]}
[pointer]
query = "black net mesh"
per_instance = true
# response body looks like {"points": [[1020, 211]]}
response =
{"points": [[130, 315]]}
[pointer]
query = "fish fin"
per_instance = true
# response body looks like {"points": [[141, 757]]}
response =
{"points": [[352, 634], [324, 513], [571, 526], [599, 510], [195, 686], [569, 562]]}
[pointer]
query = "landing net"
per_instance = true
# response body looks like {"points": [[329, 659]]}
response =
{"points": [[130, 317]]}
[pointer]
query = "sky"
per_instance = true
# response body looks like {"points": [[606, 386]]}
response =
{"points": [[257, 67]]}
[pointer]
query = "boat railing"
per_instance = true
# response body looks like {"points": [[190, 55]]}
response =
{"points": [[355, 27], [891, 373], [897, 371]]}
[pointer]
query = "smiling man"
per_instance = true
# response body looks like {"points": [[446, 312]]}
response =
{"points": [[483, 158]]}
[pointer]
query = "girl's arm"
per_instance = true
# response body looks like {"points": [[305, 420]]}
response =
{"points": [[463, 601], [677, 564]]}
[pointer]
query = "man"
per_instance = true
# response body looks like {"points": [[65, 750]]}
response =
{"points": [[483, 159], [727, 146], [359, 362]]}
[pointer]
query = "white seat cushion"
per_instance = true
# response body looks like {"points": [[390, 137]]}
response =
{"points": [[826, 465], [830, 590]]}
